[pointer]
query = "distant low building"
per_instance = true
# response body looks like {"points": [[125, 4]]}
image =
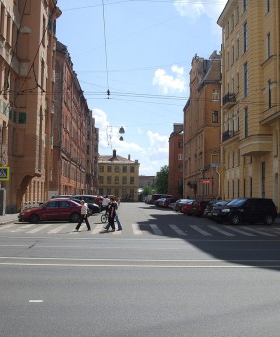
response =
{"points": [[146, 180], [118, 176]]}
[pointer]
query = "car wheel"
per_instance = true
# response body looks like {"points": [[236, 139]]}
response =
{"points": [[235, 219], [74, 217], [34, 218], [268, 220]]}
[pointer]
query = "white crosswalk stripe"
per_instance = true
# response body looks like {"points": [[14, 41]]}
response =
{"points": [[177, 230], [239, 231], [136, 229], [206, 230], [58, 229], [39, 228], [219, 230], [155, 229], [200, 230], [258, 231]]}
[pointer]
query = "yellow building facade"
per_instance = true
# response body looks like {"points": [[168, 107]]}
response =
{"points": [[118, 176], [250, 115]]}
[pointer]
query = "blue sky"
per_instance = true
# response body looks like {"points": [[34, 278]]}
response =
{"points": [[141, 50]]}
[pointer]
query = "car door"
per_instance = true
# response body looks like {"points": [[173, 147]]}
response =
{"points": [[251, 213], [64, 209], [49, 213]]}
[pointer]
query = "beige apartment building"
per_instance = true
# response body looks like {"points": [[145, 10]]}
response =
{"points": [[118, 176], [250, 118], [75, 138], [27, 60], [201, 179]]}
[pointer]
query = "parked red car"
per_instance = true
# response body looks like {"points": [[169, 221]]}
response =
{"points": [[186, 208], [198, 208], [54, 209]]}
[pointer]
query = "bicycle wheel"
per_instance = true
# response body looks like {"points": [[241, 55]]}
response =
{"points": [[103, 218]]}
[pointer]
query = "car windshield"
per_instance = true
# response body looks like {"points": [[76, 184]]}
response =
{"points": [[236, 202]]}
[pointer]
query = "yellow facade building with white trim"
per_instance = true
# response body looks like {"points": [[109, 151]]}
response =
{"points": [[250, 116]]}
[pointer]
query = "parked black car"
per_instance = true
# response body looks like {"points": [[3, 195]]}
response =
{"points": [[251, 210], [216, 207]]}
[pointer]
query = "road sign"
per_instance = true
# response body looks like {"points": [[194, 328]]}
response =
{"points": [[4, 173], [206, 181]]}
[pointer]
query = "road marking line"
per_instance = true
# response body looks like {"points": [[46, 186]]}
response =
{"points": [[35, 301], [177, 230], [136, 229], [220, 230], [57, 229], [239, 231], [37, 229], [97, 229], [7, 226], [200, 230], [257, 231], [155, 229]]}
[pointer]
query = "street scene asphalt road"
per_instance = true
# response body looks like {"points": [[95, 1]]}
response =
{"points": [[165, 274]]}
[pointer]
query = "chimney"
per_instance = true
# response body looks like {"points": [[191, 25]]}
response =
{"points": [[114, 153], [129, 157]]}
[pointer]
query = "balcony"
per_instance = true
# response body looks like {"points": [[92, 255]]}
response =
{"points": [[227, 135], [229, 100]]}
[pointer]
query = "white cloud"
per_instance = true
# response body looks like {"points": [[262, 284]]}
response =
{"points": [[195, 8], [170, 83]]}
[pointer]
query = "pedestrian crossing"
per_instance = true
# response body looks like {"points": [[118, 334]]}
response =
{"points": [[138, 230]]}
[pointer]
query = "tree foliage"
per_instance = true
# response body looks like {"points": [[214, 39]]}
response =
{"points": [[147, 189], [161, 181]]}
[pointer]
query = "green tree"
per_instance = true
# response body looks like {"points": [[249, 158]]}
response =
{"points": [[147, 189], [161, 181]]}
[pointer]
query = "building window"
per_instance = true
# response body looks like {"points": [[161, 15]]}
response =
{"points": [[109, 169], [246, 122], [180, 144], [131, 180], [132, 169], [117, 180], [237, 48], [109, 180], [246, 79], [269, 95], [215, 95], [215, 116], [117, 169], [244, 5], [245, 37], [124, 169], [268, 6], [180, 156], [124, 180], [22, 117], [215, 159], [268, 46], [101, 168], [276, 143]]}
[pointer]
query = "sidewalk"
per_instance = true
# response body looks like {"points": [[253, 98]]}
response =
{"points": [[8, 218]]}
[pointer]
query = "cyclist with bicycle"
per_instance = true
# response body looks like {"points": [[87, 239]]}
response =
{"points": [[105, 204]]}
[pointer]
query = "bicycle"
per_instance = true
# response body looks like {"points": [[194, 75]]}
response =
{"points": [[104, 218]]}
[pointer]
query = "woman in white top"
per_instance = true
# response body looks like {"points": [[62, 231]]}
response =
{"points": [[84, 216]]}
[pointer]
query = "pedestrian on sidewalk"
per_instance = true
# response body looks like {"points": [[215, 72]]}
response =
{"points": [[84, 216]]}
